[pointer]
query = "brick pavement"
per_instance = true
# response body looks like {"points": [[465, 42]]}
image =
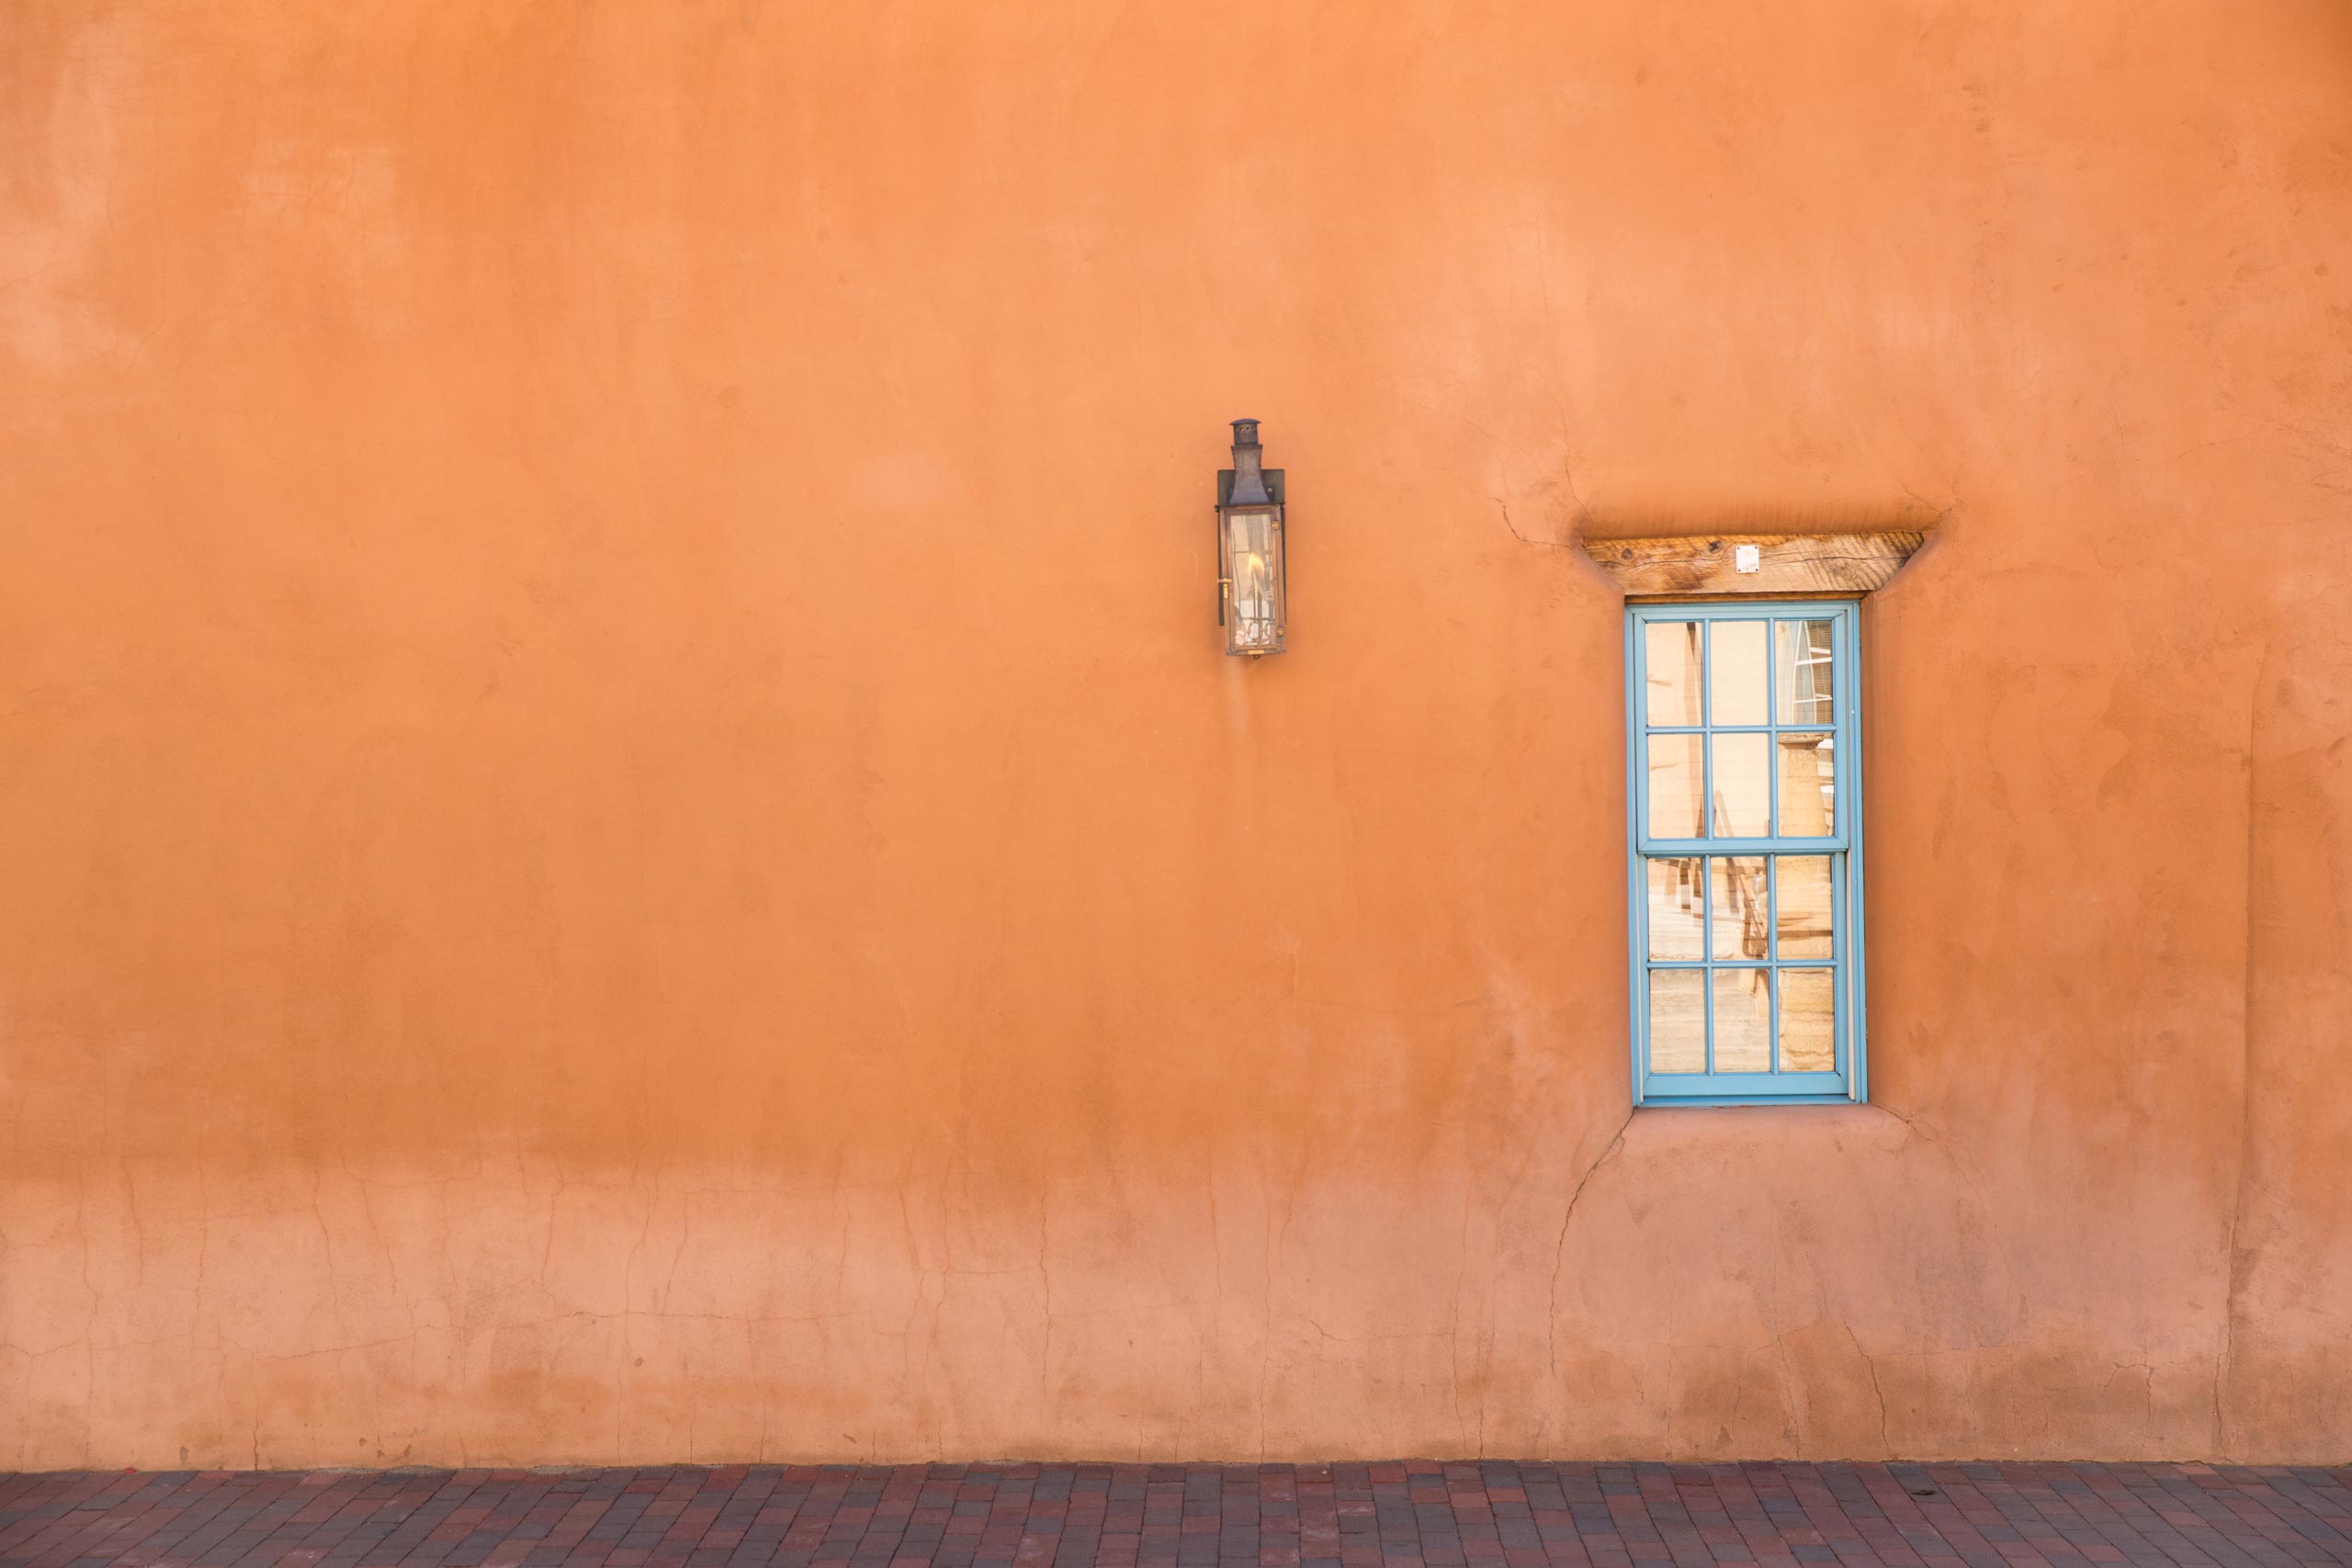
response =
{"points": [[1414, 1515]]}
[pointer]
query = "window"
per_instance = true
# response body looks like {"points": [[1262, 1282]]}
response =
{"points": [[1746, 795]]}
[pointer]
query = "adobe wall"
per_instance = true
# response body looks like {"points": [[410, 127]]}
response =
{"points": [[623, 835]]}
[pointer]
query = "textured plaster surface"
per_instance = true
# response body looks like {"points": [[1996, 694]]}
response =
{"points": [[622, 838]]}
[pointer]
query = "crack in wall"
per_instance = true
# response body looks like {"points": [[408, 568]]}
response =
{"points": [[2233, 1260], [1560, 1244]]}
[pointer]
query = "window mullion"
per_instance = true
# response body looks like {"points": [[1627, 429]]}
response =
{"points": [[1772, 949], [1707, 831]]}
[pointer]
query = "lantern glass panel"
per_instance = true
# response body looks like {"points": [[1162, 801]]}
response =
{"points": [[1253, 563]]}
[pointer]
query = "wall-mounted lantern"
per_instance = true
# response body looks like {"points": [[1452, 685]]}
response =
{"points": [[1252, 591]]}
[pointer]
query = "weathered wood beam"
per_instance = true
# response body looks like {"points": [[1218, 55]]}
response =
{"points": [[1706, 566]]}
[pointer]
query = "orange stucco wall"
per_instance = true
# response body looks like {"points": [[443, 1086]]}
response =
{"points": [[623, 835]]}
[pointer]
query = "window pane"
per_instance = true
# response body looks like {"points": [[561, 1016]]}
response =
{"points": [[1808, 1020], [1742, 789], [1808, 785], [1737, 680], [1670, 649], [1739, 910], [1678, 781], [1743, 1021], [1675, 907], [1804, 672], [1677, 1020], [1802, 909]]}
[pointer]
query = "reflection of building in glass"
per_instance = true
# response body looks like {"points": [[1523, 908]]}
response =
{"points": [[1736, 731], [1804, 654]]}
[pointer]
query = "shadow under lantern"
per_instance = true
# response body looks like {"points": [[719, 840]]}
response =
{"points": [[1252, 590]]}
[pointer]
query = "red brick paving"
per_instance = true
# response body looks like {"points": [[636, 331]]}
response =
{"points": [[1414, 1515]]}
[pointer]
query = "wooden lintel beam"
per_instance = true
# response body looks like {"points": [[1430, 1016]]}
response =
{"points": [[1706, 566]]}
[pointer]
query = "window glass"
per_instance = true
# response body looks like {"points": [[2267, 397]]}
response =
{"points": [[1808, 784], [1677, 902], [1677, 784], [1801, 906], [1743, 1021], [1672, 651], [1743, 786], [1803, 672], [1677, 1020], [1808, 1009], [1737, 680], [1741, 923]]}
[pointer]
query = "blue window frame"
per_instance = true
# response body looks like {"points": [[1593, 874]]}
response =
{"points": [[1744, 783]]}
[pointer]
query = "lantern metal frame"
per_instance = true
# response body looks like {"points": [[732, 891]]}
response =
{"points": [[1250, 489]]}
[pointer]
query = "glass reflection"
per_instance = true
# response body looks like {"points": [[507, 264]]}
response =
{"points": [[1675, 905], [1738, 679], [1251, 550], [1738, 921], [1808, 785], [1742, 919], [1802, 909], [1678, 785], [1670, 654], [1743, 1021], [1677, 1020], [1808, 1020], [1804, 672], [1743, 788]]}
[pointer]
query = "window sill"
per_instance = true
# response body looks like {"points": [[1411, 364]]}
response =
{"points": [[1710, 1102]]}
